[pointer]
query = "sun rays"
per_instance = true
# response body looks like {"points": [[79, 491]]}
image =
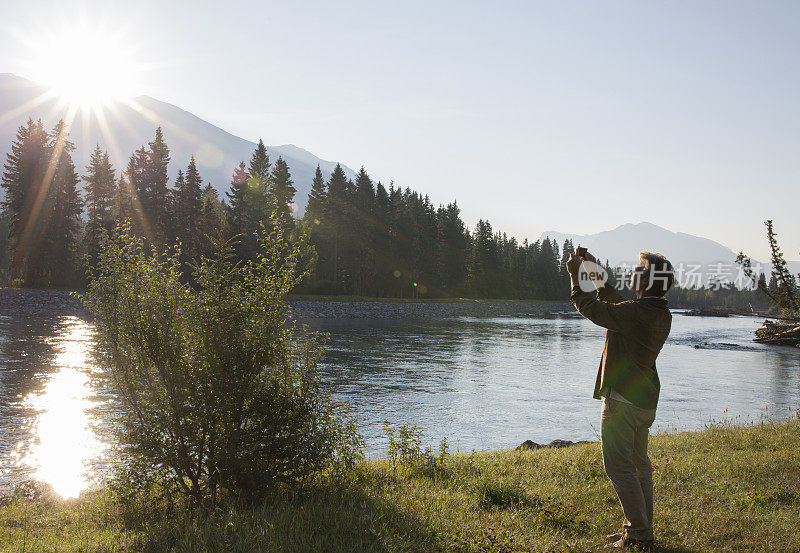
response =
{"points": [[85, 68], [85, 64]]}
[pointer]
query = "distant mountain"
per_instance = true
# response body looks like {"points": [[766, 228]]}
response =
{"points": [[622, 244], [125, 126]]}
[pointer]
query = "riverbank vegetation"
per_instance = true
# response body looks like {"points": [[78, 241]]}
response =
{"points": [[219, 392], [726, 489], [782, 292]]}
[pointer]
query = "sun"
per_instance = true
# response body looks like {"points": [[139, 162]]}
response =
{"points": [[85, 66]]}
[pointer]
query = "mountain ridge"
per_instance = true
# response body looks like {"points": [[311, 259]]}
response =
{"points": [[124, 126], [623, 243]]}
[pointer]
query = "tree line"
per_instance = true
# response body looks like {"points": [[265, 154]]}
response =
{"points": [[374, 241], [364, 239]]}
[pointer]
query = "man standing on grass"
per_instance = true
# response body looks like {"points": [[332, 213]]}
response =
{"points": [[627, 381]]}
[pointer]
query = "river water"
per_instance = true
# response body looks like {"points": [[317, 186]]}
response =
{"points": [[482, 382]]}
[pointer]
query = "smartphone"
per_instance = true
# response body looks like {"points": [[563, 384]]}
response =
{"points": [[580, 251]]}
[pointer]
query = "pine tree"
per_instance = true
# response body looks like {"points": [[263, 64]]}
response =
{"points": [[125, 200], [63, 268], [549, 285], [237, 199], [43, 207], [135, 195], [283, 192], [384, 267], [400, 247], [452, 251], [155, 205], [100, 181], [363, 234], [316, 199], [250, 200], [315, 222], [260, 165], [187, 208], [212, 223], [259, 200], [338, 200], [26, 199], [482, 260], [786, 290], [762, 281]]}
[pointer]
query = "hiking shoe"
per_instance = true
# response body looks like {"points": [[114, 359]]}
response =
{"points": [[631, 543]]}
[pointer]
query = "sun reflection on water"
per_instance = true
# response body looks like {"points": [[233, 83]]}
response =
{"points": [[63, 443]]}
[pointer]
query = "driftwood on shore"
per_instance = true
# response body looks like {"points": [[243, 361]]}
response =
{"points": [[710, 312], [782, 334]]}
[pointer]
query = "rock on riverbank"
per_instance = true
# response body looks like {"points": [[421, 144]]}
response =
{"points": [[558, 444]]}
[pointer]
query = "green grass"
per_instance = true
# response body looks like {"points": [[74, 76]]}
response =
{"points": [[728, 488]]}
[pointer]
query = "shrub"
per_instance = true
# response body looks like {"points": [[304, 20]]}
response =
{"points": [[405, 442], [219, 391], [405, 450]]}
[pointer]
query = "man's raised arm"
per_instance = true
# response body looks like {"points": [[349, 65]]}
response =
{"points": [[608, 313], [605, 292]]}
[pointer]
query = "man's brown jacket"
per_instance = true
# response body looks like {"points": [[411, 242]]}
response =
{"points": [[637, 331]]}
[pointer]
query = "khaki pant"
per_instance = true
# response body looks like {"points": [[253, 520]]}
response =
{"points": [[623, 433]]}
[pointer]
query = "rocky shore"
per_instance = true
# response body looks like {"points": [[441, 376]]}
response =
{"points": [[28, 302], [324, 309], [23, 302], [558, 444]]}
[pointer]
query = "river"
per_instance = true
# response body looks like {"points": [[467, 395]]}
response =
{"points": [[484, 382]]}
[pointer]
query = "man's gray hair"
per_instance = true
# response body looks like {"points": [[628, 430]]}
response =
{"points": [[658, 269]]}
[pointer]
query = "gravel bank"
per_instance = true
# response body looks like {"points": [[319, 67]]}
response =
{"points": [[23, 302], [422, 310]]}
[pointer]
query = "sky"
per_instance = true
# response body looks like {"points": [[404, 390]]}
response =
{"points": [[568, 116]]}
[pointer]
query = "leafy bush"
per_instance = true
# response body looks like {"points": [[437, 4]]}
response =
{"points": [[219, 391], [405, 449], [405, 442]]}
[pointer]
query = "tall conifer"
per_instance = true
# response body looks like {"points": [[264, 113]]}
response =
{"points": [[62, 257], [24, 175], [100, 181], [283, 192], [155, 202], [188, 204]]}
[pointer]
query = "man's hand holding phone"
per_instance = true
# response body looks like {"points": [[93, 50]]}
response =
{"points": [[574, 266]]}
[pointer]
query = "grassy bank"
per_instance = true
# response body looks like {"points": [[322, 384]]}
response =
{"points": [[724, 489]]}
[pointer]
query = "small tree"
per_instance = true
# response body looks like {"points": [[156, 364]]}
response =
{"points": [[784, 293], [220, 392]]}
